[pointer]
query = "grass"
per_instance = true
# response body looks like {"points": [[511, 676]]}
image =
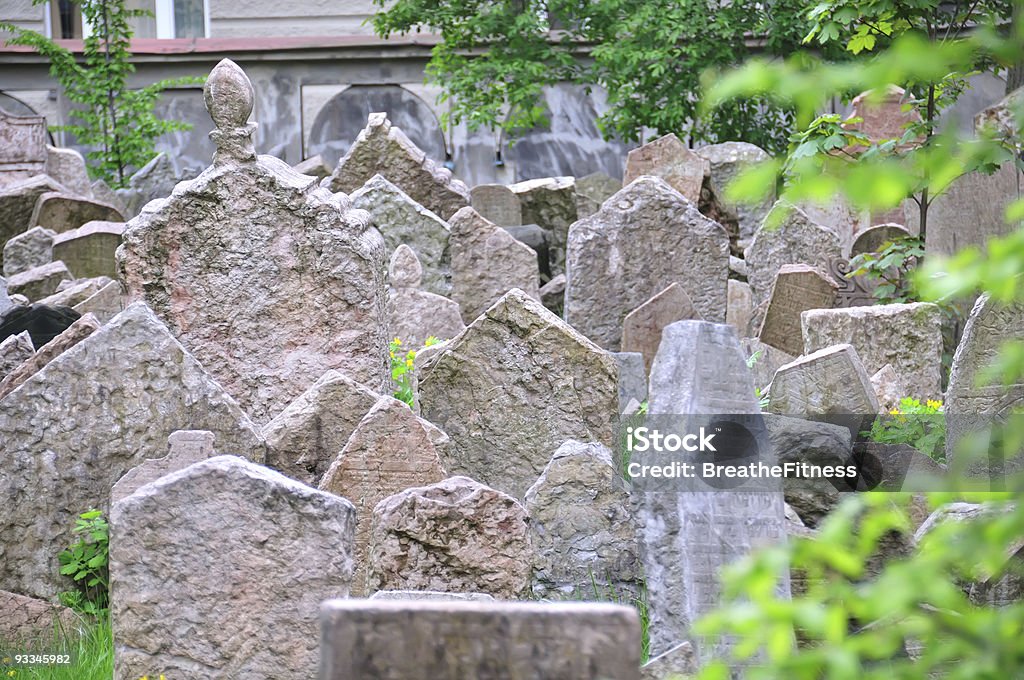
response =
{"points": [[92, 654]]}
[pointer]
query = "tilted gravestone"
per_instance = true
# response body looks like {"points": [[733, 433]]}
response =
{"points": [[739, 312], [907, 336], [382, 148], [487, 262], [14, 351], [67, 166], [690, 529], [71, 336], [403, 221], [268, 279], [247, 556], [496, 203], [644, 238], [415, 315], [549, 202], [582, 527], [796, 240], [870, 240], [976, 406], [592, 191], [61, 211], [185, 447], [389, 451], [671, 160], [479, 640], [22, 147], [727, 160], [830, 384], [797, 288], [129, 385], [32, 248], [456, 535], [641, 329], [90, 250], [515, 385], [39, 282], [17, 202], [107, 303]]}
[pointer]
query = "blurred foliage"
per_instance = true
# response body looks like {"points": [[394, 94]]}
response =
{"points": [[889, 267], [495, 59], [922, 426]]}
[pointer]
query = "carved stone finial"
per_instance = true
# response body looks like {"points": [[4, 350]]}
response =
{"points": [[229, 98]]}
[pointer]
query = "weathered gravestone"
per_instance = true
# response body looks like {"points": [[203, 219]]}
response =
{"points": [[5, 300], [739, 312], [61, 211], [22, 147], [156, 179], [246, 557], [550, 202], [14, 351], [268, 279], [479, 640], [726, 161], [690, 529], [413, 314], [487, 262], [455, 535], [496, 203], [24, 620], [888, 387], [797, 288], [644, 238], [78, 425], [389, 451], [185, 447], [383, 149], [39, 282], [796, 240], [632, 379], [17, 202], [431, 595], [907, 336], [67, 166], [515, 385], [1001, 118], [90, 250], [976, 407], [870, 240], [314, 166], [33, 248], [582, 527], [671, 160], [107, 303], [831, 385], [305, 438], [403, 221], [593, 190], [763, 360], [74, 291], [72, 335], [641, 329], [884, 114]]}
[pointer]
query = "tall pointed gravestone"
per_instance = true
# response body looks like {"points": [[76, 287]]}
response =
{"points": [[693, 526], [266, 278]]}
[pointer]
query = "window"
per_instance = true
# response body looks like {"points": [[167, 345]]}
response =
{"points": [[65, 20], [181, 18]]}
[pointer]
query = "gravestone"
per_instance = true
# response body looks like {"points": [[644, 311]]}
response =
{"points": [[644, 238], [33, 248], [593, 190], [266, 278], [247, 555], [739, 310], [107, 303], [62, 211], [550, 202], [132, 384], [305, 438], [455, 535], [671, 160], [479, 640], [39, 282], [689, 529], [72, 335], [975, 407], [403, 221], [870, 240], [515, 385], [156, 179], [797, 288], [888, 387], [763, 360], [389, 451], [540, 241], [27, 619], [1000, 118], [17, 202], [89, 250], [632, 379], [726, 161], [830, 384], [5, 300], [185, 447], [487, 262], [907, 336], [884, 115], [67, 166], [582, 527], [430, 595], [314, 166], [384, 149], [680, 661], [72, 292], [496, 203], [641, 329], [14, 351], [796, 240], [22, 147], [413, 314]]}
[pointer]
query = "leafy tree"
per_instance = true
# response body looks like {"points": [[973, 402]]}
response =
{"points": [[496, 57], [116, 123]]}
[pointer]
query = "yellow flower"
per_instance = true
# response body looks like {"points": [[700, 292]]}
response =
{"points": [[931, 403], [894, 412], [397, 341], [408, 363]]}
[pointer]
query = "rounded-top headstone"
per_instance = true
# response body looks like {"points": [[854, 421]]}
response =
{"points": [[405, 270], [228, 95]]}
